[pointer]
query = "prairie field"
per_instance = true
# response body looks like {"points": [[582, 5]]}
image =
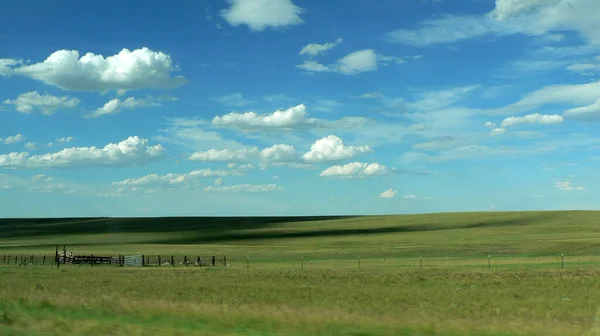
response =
{"points": [[498, 273]]}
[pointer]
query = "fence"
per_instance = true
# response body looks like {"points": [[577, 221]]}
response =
{"points": [[272, 262]]}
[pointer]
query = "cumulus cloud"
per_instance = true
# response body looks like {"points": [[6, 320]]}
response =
{"points": [[45, 104], [291, 119], [228, 155], [390, 193], [535, 118], [127, 70], [314, 49], [132, 151], [353, 63], [497, 131], [116, 105], [356, 170], [261, 14], [251, 188], [278, 153], [332, 148], [12, 139]]}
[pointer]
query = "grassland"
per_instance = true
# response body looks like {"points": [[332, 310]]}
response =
{"points": [[525, 293]]}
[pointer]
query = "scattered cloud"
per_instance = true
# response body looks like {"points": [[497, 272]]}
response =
{"points": [[13, 139], [314, 49], [127, 70], [234, 100], [390, 193], [130, 152], [225, 155], [332, 148], [31, 146], [566, 185], [327, 105], [45, 104], [261, 14], [171, 181], [588, 113], [354, 63], [509, 17], [65, 139], [356, 170], [294, 118], [535, 118], [116, 105], [39, 183], [250, 188], [409, 197]]}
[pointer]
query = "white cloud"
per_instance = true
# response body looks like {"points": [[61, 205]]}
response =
{"points": [[251, 188], [279, 153], [116, 105], [409, 197], [590, 112], [65, 139], [194, 134], [574, 94], [327, 105], [434, 99], [356, 170], [535, 118], [127, 70], [228, 155], [528, 17], [45, 104], [353, 63], [13, 139], [261, 14], [390, 193], [332, 148], [39, 183], [167, 181], [566, 185], [290, 119], [497, 131], [586, 69], [130, 152], [234, 99], [31, 146], [314, 49], [371, 95], [489, 124], [218, 181]]}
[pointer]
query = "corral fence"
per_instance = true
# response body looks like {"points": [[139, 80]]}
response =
{"points": [[139, 260]]}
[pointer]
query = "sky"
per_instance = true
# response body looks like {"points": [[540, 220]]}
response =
{"points": [[289, 107]]}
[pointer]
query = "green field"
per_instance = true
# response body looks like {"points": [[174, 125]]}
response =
{"points": [[301, 276]]}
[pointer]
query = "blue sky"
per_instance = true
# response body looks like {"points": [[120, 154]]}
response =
{"points": [[288, 107]]}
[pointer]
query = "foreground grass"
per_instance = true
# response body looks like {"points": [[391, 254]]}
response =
{"points": [[193, 301]]}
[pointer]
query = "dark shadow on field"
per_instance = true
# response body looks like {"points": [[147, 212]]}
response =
{"points": [[40, 227], [205, 230]]}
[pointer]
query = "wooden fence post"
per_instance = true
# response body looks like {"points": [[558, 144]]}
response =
{"points": [[225, 260], [247, 262], [359, 263], [489, 261], [421, 262], [562, 258], [16, 259], [44, 260], [213, 260], [143, 261], [185, 261], [302, 262], [159, 262], [172, 261]]}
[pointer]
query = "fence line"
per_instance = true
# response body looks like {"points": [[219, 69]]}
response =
{"points": [[489, 262]]}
